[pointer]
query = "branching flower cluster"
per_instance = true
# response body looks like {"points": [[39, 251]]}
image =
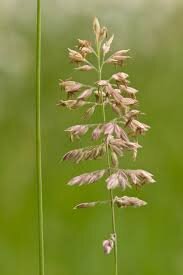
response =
{"points": [[111, 138]]}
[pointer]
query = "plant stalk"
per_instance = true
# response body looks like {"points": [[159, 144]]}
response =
{"points": [[108, 162], [38, 142]]}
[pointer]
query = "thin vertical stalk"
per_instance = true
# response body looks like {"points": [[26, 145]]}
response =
{"points": [[38, 142], [109, 164]]}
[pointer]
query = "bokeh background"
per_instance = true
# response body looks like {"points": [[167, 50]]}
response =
{"points": [[150, 238]]}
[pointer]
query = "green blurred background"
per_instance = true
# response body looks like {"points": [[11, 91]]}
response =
{"points": [[150, 238]]}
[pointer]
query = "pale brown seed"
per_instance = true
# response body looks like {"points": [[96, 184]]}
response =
{"points": [[87, 178], [96, 27], [119, 99], [128, 201], [85, 94], [131, 114], [121, 144], [118, 179], [116, 109], [140, 177], [118, 143], [97, 133], [84, 43], [121, 52], [99, 93], [118, 57], [114, 159], [106, 46], [117, 60], [75, 56], [120, 133], [85, 50], [77, 130], [108, 246], [89, 112], [102, 82], [108, 128], [85, 68], [73, 88], [70, 86], [138, 127], [103, 33], [116, 149], [88, 153], [129, 90], [133, 146], [120, 77], [63, 83], [73, 154], [86, 205], [71, 104], [128, 101]]}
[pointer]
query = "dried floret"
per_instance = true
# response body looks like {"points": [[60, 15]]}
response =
{"points": [[85, 94], [88, 153], [128, 90], [118, 179], [128, 201], [108, 246], [75, 56], [140, 177], [77, 131], [87, 178], [118, 57], [97, 132], [138, 127], [86, 205], [106, 46], [85, 68]]}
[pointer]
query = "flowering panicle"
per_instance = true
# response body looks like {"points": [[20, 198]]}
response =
{"points": [[113, 137]]}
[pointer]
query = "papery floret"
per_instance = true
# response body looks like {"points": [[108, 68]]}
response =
{"points": [[106, 46], [75, 56], [118, 179], [87, 178], [139, 177], [126, 201], [109, 244]]}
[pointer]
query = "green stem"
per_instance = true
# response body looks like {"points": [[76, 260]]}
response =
{"points": [[38, 142], [108, 162]]}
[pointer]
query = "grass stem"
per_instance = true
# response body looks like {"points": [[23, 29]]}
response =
{"points": [[38, 142]]}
